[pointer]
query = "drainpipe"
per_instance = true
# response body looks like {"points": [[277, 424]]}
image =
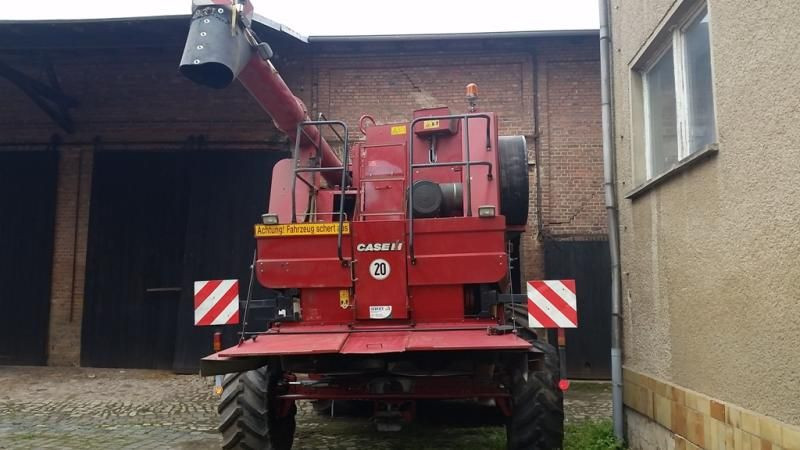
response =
{"points": [[609, 184]]}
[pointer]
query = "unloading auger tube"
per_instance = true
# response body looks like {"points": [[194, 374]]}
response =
{"points": [[222, 46]]}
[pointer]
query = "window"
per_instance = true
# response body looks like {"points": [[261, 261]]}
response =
{"points": [[677, 97]]}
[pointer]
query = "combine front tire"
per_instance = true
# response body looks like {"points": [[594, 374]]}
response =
{"points": [[249, 412], [537, 407]]}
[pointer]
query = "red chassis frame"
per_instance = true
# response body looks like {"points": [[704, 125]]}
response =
{"points": [[430, 293]]}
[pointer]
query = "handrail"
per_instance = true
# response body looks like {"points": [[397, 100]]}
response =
{"points": [[459, 163], [465, 119], [343, 168], [321, 117], [316, 214]]}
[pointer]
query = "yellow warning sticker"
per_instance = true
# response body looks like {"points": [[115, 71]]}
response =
{"points": [[300, 229], [428, 124], [398, 129], [344, 298]]}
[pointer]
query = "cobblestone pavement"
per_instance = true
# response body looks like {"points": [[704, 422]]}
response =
{"points": [[45, 407]]}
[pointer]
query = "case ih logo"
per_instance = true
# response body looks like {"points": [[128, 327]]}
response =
{"points": [[380, 246]]}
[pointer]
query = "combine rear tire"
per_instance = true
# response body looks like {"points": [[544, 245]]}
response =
{"points": [[248, 412], [537, 406]]}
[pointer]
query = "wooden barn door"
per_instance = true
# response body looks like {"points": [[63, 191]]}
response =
{"points": [[229, 192], [160, 221], [588, 262], [27, 208], [134, 260]]}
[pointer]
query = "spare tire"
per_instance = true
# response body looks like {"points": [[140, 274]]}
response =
{"points": [[514, 187]]}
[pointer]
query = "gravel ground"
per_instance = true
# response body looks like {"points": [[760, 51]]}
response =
{"points": [[46, 407]]}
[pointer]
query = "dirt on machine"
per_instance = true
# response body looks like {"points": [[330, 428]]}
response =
{"points": [[391, 254]]}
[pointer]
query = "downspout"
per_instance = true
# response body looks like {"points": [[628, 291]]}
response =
{"points": [[537, 146], [609, 180]]}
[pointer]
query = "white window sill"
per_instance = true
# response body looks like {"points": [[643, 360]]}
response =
{"points": [[707, 152]]}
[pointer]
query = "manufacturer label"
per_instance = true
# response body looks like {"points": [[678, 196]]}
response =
{"points": [[428, 124], [380, 312], [380, 269], [380, 246], [300, 229], [398, 130]]}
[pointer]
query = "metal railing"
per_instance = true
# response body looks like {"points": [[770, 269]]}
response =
{"points": [[464, 118], [344, 139]]}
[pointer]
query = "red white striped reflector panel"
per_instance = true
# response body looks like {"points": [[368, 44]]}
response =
{"points": [[551, 304], [216, 302]]}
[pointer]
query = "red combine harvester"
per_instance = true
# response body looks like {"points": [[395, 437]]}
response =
{"points": [[392, 261]]}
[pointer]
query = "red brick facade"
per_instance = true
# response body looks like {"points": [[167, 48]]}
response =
{"points": [[136, 96], [559, 77]]}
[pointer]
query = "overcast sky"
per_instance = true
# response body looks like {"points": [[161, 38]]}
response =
{"points": [[346, 17]]}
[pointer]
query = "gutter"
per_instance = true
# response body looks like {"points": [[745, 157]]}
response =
{"points": [[609, 185]]}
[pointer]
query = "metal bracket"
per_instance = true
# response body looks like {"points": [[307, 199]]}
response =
{"points": [[491, 298], [48, 97]]}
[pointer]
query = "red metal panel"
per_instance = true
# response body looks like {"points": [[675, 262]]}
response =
{"points": [[383, 161], [376, 290], [435, 127], [458, 251], [288, 344], [437, 303], [381, 198], [466, 268], [280, 194], [448, 149], [485, 191], [377, 342], [458, 224], [323, 306], [382, 175], [370, 343], [302, 261], [464, 340], [308, 273]]}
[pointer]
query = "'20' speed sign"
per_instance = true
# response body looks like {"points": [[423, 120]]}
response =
{"points": [[380, 269]]}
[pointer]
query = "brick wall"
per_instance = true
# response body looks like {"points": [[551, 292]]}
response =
{"points": [[557, 76], [569, 142], [69, 255], [137, 97]]}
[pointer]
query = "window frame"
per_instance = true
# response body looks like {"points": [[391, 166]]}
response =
{"points": [[663, 49], [674, 39]]}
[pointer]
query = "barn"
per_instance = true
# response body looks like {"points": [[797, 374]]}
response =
{"points": [[121, 182]]}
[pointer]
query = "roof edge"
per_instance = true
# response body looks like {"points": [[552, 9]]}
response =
{"points": [[433, 36], [279, 27], [94, 19], [337, 38], [258, 18]]}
